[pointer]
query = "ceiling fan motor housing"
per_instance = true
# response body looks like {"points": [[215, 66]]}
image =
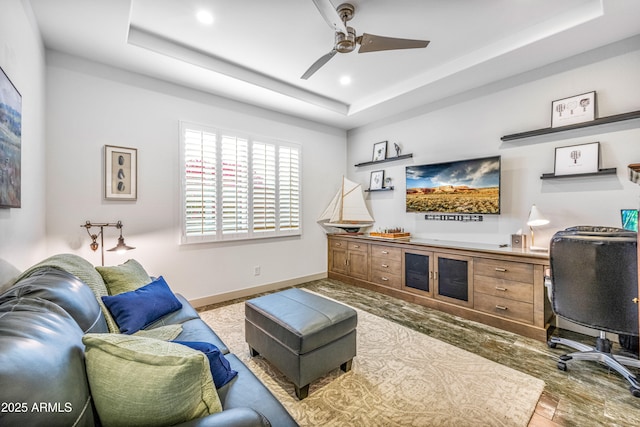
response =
{"points": [[346, 43]]}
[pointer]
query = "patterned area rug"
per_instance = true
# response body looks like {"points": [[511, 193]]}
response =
{"points": [[399, 377]]}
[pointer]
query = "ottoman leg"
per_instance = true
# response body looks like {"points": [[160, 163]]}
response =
{"points": [[253, 352], [346, 366], [302, 392]]}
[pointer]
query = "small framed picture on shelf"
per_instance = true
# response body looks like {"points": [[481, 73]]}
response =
{"points": [[577, 159], [575, 109], [376, 181], [379, 151]]}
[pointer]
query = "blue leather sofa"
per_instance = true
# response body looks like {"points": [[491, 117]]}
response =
{"points": [[43, 318]]}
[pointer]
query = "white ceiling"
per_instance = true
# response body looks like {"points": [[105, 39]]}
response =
{"points": [[255, 51]]}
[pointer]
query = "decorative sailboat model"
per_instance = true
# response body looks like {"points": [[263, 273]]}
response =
{"points": [[347, 209]]}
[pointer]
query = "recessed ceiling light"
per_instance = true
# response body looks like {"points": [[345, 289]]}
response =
{"points": [[205, 17], [345, 80]]}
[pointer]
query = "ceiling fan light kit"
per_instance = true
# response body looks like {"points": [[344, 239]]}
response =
{"points": [[346, 38]]}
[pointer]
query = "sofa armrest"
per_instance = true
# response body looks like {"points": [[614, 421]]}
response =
{"points": [[236, 417]]}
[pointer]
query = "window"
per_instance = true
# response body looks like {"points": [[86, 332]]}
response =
{"points": [[237, 187]]}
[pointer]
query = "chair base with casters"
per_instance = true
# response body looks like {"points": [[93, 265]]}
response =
{"points": [[600, 353]]}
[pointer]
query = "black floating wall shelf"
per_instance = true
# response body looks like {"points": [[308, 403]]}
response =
{"points": [[609, 171], [600, 121], [388, 159]]}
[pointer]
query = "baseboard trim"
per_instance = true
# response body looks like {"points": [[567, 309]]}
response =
{"points": [[242, 293]]}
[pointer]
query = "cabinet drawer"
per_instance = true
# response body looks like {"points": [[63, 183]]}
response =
{"points": [[503, 307], [502, 288], [362, 247], [386, 252], [509, 270], [381, 278], [386, 266], [339, 244]]}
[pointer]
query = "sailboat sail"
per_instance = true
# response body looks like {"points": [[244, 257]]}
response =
{"points": [[347, 208]]}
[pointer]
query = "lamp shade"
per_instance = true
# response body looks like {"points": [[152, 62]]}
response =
{"points": [[536, 218]]}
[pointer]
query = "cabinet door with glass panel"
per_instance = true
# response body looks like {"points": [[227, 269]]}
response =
{"points": [[453, 279], [417, 272]]}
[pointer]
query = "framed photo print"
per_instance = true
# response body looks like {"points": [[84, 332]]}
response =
{"points": [[120, 173], [377, 180], [576, 109], [379, 151], [576, 159]]}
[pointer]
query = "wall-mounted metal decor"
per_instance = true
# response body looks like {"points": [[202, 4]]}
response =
{"points": [[10, 143]]}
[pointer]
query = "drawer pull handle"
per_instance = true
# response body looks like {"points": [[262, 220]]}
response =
{"points": [[356, 246], [385, 279], [502, 307], [338, 244], [502, 270], [385, 252], [498, 288], [384, 265]]}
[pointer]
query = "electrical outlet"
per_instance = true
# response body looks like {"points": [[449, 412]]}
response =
{"points": [[256, 270]]}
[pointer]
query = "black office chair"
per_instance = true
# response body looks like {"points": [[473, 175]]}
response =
{"points": [[594, 283]]}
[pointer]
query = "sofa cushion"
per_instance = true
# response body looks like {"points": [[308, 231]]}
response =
{"points": [[134, 310], [137, 381], [124, 277], [220, 369], [66, 291], [41, 363]]}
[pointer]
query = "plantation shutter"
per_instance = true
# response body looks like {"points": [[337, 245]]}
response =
{"points": [[235, 185], [264, 187], [200, 182], [289, 186]]}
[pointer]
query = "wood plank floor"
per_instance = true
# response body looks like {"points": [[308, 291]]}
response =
{"points": [[587, 394]]}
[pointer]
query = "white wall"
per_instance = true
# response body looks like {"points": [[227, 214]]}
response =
{"points": [[472, 128], [22, 230], [91, 105]]}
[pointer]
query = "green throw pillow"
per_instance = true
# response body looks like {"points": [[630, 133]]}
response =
{"points": [[124, 277], [138, 381]]}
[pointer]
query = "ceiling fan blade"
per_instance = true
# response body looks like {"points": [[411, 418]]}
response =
{"points": [[373, 43], [330, 14], [318, 64]]}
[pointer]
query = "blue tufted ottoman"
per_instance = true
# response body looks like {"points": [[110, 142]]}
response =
{"points": [[302, 334]]}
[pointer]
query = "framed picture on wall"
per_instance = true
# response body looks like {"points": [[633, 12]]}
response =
{"points": [[377, 180], [10, 144], [576, 159], [575, 109], [120, 173], [379, 151]]}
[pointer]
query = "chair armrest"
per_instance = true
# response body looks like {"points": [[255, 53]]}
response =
{"points": [[235, 417]]}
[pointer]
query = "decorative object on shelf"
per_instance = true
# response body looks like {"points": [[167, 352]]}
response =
{"points": [[347, 209], [120, 173], [575, 109], [379, 151], [10, 144], [121, 247], [397, 148], [577, 159], [391, 233], [634, 172], [536, 219], [629, 219], [376, 180], [387, 182]]}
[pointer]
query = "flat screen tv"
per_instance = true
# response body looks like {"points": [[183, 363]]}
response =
{"points": [[629, 219], [461, 187]]}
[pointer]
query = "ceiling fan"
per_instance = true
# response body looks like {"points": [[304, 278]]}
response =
{"points": [[346, 39]]}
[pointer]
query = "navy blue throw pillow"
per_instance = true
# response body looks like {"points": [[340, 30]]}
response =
{"points": [[138, 309], [220, 369]]}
